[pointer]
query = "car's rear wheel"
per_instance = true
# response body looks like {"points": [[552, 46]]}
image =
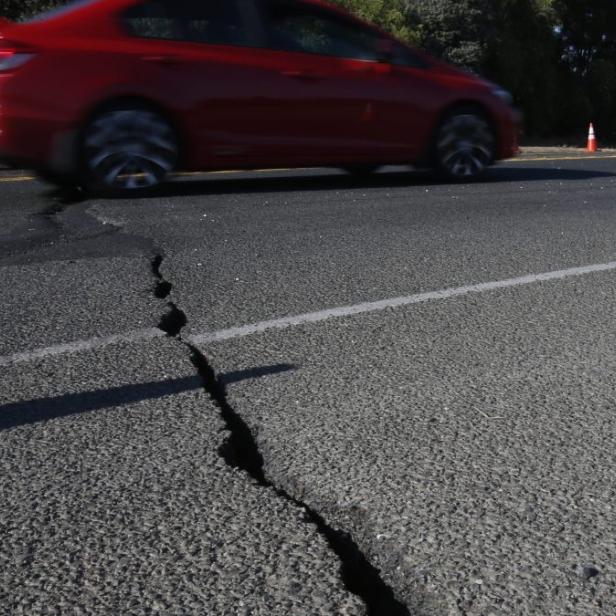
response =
{"points": [[465, 145], [128, 150]]}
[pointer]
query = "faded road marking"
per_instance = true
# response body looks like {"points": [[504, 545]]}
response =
{"points": [[138, 335], [142, 335], [19, 178], [396, 302]]}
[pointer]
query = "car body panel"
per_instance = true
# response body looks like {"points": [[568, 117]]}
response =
{"points": [[233, 106]]}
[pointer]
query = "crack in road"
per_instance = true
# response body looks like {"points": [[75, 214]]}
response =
{"points": [[61, 199], [163, 288], [173, 321], [65, 220], [41, 228], [240, 450]]}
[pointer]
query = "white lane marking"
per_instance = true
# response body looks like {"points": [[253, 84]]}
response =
{"points": [[408, 300], [137, 335], [141, 335]]}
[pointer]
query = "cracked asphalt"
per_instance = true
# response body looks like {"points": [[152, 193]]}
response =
{"points": [[122, 505], [450, 457]]}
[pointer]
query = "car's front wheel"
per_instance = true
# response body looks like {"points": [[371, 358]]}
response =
{"points": [[128, 150], [465, 145]]}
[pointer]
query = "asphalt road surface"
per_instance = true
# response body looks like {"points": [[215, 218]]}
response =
{"points": [[294, 393]]}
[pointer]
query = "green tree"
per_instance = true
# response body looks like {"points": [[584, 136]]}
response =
{"points": [[393, 16], [20, 9], [522, 55], [600, 87], [587, 31], [456, 30], [587, 36]]}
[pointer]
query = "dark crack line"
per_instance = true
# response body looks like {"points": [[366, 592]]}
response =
{"points": [[240, 450], [57, 233], [173, 321], [163, 287], [61, 198]]}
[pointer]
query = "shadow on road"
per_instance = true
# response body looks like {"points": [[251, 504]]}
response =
{"points": [[319, 181], [43, 409]]}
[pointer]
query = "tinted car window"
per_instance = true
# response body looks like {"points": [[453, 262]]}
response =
{"points": [[405, 57], [293, 26], [200, 22]]}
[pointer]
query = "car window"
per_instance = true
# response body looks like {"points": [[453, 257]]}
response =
{"points": [[294, 26], [403, 56], [218, 23]]}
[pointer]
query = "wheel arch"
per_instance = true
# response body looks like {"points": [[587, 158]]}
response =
{"points": [[448, 110], [140, 102]]}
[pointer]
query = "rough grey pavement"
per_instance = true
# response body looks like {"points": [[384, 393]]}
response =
{"points": [[62, 301], [121, 504], [243, 250], [457, 452], [469, 449]]}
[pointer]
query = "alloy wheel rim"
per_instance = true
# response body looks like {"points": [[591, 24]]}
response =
{"points": [[130, 149], [465, 145]]}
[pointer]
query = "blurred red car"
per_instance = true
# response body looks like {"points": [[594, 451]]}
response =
{"points": [[116, 94]]}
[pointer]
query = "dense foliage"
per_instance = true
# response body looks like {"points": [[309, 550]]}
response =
{"points": [[558, 57], [16, 9]]}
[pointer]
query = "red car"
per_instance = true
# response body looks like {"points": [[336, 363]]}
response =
{"points": [[117, 94]]}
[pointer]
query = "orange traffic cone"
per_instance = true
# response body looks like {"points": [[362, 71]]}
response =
{"points": [[592, 141]]}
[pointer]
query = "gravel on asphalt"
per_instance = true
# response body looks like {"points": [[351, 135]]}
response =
{"points": [[115, 500], [467, 444]]}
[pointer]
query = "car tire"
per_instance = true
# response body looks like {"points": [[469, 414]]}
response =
{"points": [[127, 151], [465, 145]]}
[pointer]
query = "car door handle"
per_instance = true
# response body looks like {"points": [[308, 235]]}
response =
{"points": [[163, 60], [299, 74]]}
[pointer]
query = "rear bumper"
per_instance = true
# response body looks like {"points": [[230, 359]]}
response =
{"points": [[26, 140], [37, 145], [512, 126], [30, 135]]}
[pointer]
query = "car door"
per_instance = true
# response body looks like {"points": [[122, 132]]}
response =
{"points": [[295, 88], [329, 65], [407, 101], [267, 82], [241, 98], [359, 95], [203, 59]]}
